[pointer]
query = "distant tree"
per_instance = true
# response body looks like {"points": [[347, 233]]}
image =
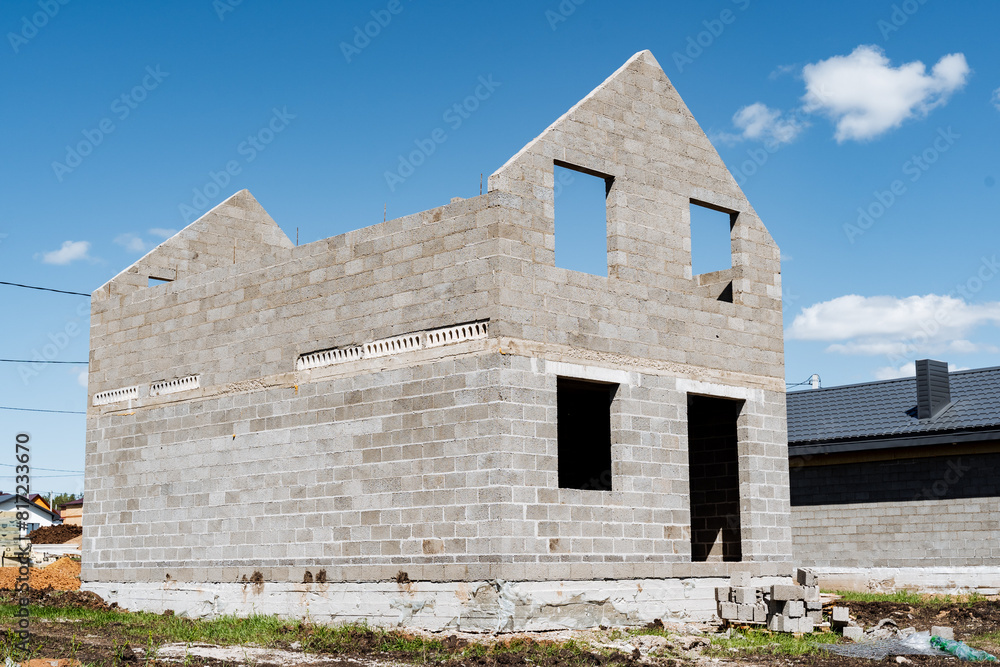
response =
{"points": [[59, 499]]}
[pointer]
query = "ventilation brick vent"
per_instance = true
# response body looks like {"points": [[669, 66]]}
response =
{"points": [[116, 395], [175, 386], [328, 358], [456, 334], [381, 348]]}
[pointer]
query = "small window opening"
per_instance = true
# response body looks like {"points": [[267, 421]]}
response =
{"points": [[711, 239], [158, 281], [713, 467], [584, 433], [581, 211]]}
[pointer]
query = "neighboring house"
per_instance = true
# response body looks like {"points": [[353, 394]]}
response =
{"points": [[72, 512], [434, 396], [39, 515], [896, 484], [41, 501]]}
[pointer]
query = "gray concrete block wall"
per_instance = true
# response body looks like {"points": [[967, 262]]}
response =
{"points": [[916, 533], [447, 470]]}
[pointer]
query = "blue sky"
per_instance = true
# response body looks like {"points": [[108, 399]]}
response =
{"points": [[863, 133]]}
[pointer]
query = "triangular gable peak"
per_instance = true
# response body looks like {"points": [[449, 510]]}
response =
{"points": [[234, 230], [636, 132]]}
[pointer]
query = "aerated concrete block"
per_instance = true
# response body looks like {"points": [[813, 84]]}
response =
{"points": [[779, 623], [853, 632], [943, 631], [840, 615], [811, 593], [745, 596], [782, 592], [794, 609], [728, 611], [745, 612], [722, 594], [740, 580], [806, 577], [814, 605]]}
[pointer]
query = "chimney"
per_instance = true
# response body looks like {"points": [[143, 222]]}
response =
{"points": [[933, 389]]}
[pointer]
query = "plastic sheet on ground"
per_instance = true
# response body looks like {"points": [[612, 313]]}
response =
{"points": [[878, 649]]}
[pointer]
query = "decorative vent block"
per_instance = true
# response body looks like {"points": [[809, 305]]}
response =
{"points": [[456, 334], [174, 386], [328, 358], [380, 348], [116, 395]]}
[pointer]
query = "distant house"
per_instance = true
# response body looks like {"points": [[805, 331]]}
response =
{"points": [[896, 484], [72, 512], [38, 515]]}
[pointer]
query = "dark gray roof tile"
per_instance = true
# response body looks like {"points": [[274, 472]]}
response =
{"points": [[888, 408]]}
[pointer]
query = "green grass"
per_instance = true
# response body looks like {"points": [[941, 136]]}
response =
{"points": [[764, 642], [910, 598], [149, 631]]}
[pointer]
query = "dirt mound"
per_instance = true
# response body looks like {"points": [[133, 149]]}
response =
{"points": [[968, 618], [62, 575], [55, 534], [60, 599]]}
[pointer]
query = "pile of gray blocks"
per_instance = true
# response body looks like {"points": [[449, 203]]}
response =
{"points": [[781, 607]]}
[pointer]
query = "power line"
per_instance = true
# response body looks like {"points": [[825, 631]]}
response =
{"points": [[40, 361], [44, 289], [14, 465], [61, 412]]}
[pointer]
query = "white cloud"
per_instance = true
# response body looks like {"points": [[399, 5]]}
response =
{"points": [[908, 369], [132, 243], [162, 233], [996, 98], [759, 122], [866, 96], [81, 379], [70, 251], [781, 70], [886, 325]]}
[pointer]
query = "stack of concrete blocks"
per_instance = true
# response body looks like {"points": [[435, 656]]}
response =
{"points": [[792, 608]]}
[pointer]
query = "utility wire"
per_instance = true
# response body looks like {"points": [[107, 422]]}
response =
{"points": [[44, 289], [61, 412], [14, 465], [39, 361]]}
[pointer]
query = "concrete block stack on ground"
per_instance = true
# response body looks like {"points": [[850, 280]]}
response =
{"points": [[390, 400], [782, 607]]}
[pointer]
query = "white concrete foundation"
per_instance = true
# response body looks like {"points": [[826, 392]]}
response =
{"points": [[484, 606], [941, 580]]}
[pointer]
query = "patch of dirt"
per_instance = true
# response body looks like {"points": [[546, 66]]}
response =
{"points": [[967, 619], [62, 575], [61, 599], [55, 534]]}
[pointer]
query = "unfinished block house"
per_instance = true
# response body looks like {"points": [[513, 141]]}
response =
{"points": [[429, 422]]}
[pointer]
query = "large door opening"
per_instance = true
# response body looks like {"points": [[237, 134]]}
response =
{"points": [[713, 466]]}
